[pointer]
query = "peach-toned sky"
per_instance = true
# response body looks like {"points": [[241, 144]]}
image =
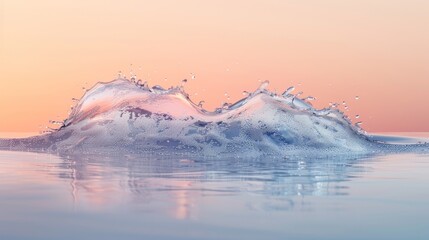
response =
{"points": [[377, 49]]}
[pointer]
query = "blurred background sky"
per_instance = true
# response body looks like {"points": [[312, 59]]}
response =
{"points": [[332, 50]]}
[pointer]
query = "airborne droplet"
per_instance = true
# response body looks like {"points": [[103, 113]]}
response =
{"points": [[357, 116], [333, 105], [227, 95], [357, 97], [289, 90]]}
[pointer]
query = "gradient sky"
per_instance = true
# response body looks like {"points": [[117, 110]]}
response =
{"points": [[333, 50]]}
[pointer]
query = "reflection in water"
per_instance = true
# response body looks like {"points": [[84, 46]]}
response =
{"points": [[177, 184], [89, 197]]}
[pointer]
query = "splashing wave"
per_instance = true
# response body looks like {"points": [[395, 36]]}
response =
{"points": [[127, 116]]}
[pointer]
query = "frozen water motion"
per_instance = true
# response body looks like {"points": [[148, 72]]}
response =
{"points": [[129, 116]]}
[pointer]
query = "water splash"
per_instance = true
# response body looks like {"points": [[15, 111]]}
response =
{"points": [[288, 91], [310, 98], [125, 116]]}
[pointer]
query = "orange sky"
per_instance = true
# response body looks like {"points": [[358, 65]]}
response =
{"points": [[378, 50]]}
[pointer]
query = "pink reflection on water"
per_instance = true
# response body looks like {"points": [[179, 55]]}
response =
{"points": [[183, 200]]}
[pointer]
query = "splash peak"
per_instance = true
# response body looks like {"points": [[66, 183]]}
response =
{"points": [[130, 116]]}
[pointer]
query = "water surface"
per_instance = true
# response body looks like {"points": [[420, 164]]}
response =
{"points": [[45, 196]]}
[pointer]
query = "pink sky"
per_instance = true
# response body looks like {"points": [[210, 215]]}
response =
{"points": [[333, 50]]}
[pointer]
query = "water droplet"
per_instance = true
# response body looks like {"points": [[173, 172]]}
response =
{"points": [[192, 76], [264, 85], [133, 78], [119, 74], [344, 102], [357, 97], [358, 124], [357, 116], [55, 122], [310, 98], [184, 81], [145, 85], [227, 95], [288, 91], [333, 105], [246, 93], [225, 105]]}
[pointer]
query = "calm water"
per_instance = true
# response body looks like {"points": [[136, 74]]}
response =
{"points": [[50, 197]]}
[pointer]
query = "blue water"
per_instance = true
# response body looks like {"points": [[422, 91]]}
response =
{"points": [[46, 196]]}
